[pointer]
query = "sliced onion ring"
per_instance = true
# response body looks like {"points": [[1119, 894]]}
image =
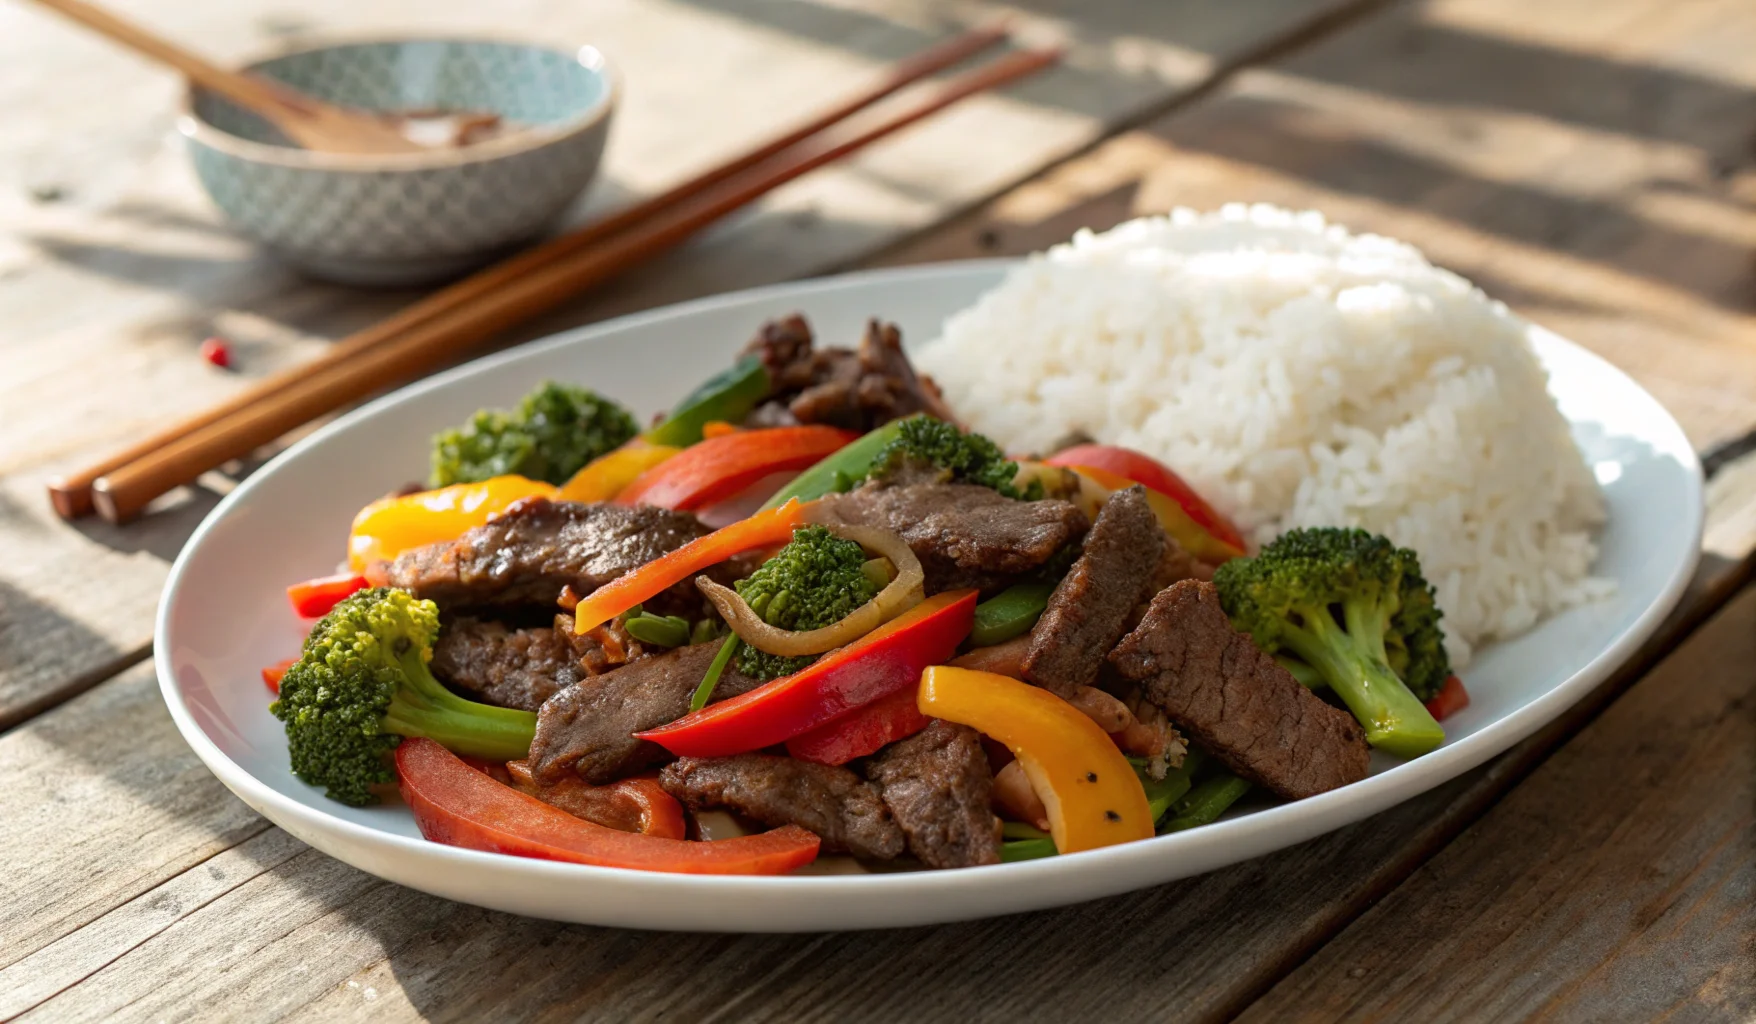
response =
{"points": [[902, 593]]}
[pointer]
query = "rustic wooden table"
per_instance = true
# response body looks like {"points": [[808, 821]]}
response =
{"points": [[1592, 162]]}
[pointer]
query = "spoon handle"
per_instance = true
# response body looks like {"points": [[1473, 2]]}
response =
{"points": [[266, 98]]}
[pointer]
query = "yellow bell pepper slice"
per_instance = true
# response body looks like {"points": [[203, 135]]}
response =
{"points": [[610, 473], [1092, 794], [1096, 486], [389, 526]]}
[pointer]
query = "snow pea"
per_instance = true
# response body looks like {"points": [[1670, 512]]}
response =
{"points": [[1010, 613], [839, 471]]}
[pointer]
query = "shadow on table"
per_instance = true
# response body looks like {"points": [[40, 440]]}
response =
{"points": [[1196, 949], [1288, 138]]}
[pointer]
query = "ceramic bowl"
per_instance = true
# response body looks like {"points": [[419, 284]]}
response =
{"points": [[409, 218]]}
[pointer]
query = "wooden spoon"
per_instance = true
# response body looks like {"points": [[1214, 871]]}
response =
{"points": [[310, 122]]}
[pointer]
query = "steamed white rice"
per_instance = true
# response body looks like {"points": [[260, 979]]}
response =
{"points": [[1298, 375]]}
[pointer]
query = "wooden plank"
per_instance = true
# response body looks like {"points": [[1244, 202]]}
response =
{"points": [[283, 929], [1202, 949], [114, 267], [1617, 883], [102, 802]]}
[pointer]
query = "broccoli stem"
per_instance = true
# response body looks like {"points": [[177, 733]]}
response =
{"points": [[426, 708], [1307, 676], [1354, 665]]}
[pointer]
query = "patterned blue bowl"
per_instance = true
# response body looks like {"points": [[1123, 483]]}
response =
{"points": [[409, 218]]}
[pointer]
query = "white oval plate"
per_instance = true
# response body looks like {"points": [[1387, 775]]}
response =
{"points": [[224, 615]]}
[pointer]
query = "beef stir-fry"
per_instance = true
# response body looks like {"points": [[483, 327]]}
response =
{"points": [[900, 644]]}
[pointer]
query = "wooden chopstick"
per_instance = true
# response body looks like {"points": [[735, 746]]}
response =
{"points": [[72, 495], [121, 494]]}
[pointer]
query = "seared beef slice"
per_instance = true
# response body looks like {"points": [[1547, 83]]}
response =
{"points": [[831, 801], [526, 555], [511, 668], [1235, 701], [589, 726], [837, 386], [964, 535], [938, 787], [1088, 612]]}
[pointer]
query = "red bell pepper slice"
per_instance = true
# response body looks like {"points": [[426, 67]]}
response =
{"points": [[1144, 469], [862, 732], [272, 674], [888, 659], [313, 599], [719, 467], [1450, 699], [460, 806], [762, 530]]}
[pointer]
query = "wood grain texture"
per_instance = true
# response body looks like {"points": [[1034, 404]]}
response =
{"points": [[102, 802], [304, 937], [113, 267], [287, 931], [1617, 883]]}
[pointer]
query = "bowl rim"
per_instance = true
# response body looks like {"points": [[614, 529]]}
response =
{"points": [[192, 127]]}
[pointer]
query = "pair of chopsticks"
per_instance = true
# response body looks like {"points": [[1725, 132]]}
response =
{"points": [[432, 332]]}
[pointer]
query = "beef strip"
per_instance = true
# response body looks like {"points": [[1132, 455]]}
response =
{"points": [[1088, 612], [856, 390], [832, 801], [511, 668], [589, 726], [613, 806], [939, 789], [535, 548], [964, 535], [602, 649], [1235, 700]]}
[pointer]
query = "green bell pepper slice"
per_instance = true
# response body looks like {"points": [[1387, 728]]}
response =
{"points": [[727, 396], [1010, 613]]}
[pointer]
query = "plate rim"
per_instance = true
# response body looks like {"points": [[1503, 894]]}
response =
{"points": [[1282, 825]]}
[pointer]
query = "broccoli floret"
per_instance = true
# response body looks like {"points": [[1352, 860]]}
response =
{"points": [[362, 684], [817, 580], [1355, 608], [965, 458], [555, 431]]}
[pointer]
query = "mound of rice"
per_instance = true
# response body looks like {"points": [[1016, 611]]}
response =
{"points": [[1298, 375]]}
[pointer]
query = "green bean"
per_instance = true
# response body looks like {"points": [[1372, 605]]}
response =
{"points": [[666, 631], [704, 692], [1206, 802], [1019, 830], [1010, 613], [1026, 849], [704, 631]]}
